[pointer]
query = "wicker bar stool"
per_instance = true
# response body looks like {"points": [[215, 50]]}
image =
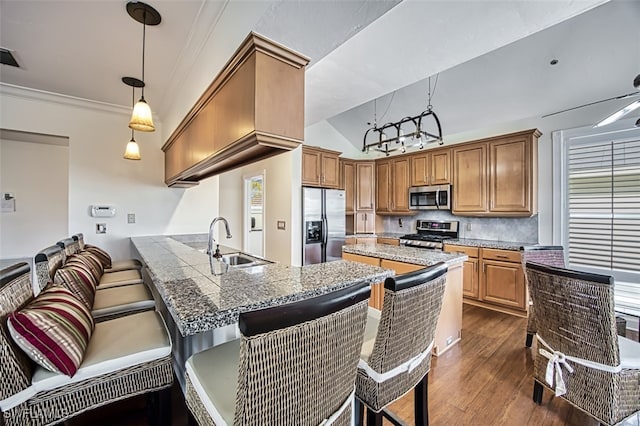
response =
{"points": [[294, 364], [124, 357], [118, 265], [107, 303], [396, 353], [71, 247], [545, 255], [579, 355]]}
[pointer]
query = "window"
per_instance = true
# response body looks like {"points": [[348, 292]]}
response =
{"points": [[601, 207]]}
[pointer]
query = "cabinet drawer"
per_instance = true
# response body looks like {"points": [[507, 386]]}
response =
{"points": [[390, 241], [469, 251], [503, 255]]}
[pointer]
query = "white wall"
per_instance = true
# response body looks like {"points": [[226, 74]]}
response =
{"points": [[36, 174], [282, 183], [98, 174], [324, 135]]}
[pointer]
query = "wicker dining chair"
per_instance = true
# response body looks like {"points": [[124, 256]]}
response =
{"points": [[116, 265], [546, 255], [396, 353], [579, 355], [125, 357], [294, 364]]}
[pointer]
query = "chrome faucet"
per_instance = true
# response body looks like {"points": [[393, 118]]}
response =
{"points": [[211, 239]]}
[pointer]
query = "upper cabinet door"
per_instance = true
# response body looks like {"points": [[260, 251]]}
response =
{"points": [[365, 186], [510, 186], [330, 170], [310, 167], [469, 179], [349, 185], [420, 169], [383, 193], [440, 167], [400, 185]]}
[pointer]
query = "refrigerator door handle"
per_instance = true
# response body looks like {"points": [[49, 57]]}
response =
{"points": [[325, 230]]}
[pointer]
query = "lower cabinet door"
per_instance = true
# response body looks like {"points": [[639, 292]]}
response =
{"points": [[377, 290], [470, 286], [503, 284]]}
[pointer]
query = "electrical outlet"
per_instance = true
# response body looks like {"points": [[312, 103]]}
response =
{"points": [[101, 228], [400, 222], [282, 225], [131, 218], [468, 226], [449, 340]]}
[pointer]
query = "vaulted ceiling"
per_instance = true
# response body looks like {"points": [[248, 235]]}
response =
{"points": [[491, 57]]}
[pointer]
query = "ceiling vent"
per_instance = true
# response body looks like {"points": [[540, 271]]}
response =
{"points": [[7, 58]]}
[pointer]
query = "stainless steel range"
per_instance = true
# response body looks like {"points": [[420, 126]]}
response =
{"points": [[431, 234]]}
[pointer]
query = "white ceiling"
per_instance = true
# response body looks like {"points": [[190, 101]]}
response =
{"points": [[492, 56]]}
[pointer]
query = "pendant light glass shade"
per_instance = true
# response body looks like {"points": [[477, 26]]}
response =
{"points": [[142, 119], [132, 152]]}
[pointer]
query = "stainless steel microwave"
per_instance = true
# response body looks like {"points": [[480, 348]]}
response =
{"points": [[436, 197]]}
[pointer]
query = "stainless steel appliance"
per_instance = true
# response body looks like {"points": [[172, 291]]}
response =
{"points": [[431, 234], [323, 219], [437, 197]]}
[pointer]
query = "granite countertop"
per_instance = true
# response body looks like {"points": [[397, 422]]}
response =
{"points": [[417, 256], [503, 245], [199, 301]]}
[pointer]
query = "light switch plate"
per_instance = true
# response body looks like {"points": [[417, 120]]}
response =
{"points": [[101, 228], [131, 218]]}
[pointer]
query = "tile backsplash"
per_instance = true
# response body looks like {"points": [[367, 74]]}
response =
{"points": [[520, 229]]}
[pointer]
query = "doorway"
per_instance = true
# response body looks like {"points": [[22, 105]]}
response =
{"points": [[254, 190]]}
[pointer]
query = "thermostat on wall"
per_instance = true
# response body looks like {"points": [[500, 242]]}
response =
{"points": [[103, 211]]}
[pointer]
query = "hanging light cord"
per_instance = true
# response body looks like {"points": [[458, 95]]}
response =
{"points": [[430, 94], [133, 102], [388, 106], [144, 33]]}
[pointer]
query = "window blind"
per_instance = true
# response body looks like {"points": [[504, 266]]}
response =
{"points": [[604, 213]]}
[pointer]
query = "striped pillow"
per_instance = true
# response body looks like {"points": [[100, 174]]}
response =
{"points": [[102, 255], [88, 260], [53, 330], [78, 279]]}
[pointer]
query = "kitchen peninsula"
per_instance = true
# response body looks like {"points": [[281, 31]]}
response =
{"points": [[201, 310], [403, 259]]}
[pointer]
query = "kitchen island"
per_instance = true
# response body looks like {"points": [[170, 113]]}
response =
{"points": [[403, 259], [201, 310]]}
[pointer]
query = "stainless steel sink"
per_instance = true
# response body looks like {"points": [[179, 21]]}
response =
{"points": [[242, 260]]}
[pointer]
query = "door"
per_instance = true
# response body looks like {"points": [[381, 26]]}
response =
{"points": [[509, 175], [349, 183], [312, 221], [469, 179], [400, 184], [254, 215], [383, 195], [335, 223], [365, 186]]}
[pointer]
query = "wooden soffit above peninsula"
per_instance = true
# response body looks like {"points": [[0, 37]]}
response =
{"points": [[252, 110]]}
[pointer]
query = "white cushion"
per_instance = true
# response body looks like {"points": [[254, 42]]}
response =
{"points": [[370, 333], [123, 265], [116, 300], [116, 344], [120, 278], [214, 374], [629, 353]]}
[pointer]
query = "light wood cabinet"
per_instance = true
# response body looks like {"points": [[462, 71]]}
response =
{"points": [[377, 290], [390, 241], [349, 185], [320, 167], [365, 222], [470, 179], [365, 185], [431, 168], [392, 186], [253, 109], [493, 279], [496, 176]]}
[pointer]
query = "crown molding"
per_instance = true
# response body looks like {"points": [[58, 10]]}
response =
{"points": [[57, 98]]}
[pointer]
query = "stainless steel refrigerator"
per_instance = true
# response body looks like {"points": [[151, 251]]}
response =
{"points": [[323, 222]]}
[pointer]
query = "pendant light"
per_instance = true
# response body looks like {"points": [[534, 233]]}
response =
{"points": [[141, 118], [132, 152]]}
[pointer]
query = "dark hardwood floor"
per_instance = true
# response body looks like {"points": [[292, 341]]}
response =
{"points": [[485, 380]]}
